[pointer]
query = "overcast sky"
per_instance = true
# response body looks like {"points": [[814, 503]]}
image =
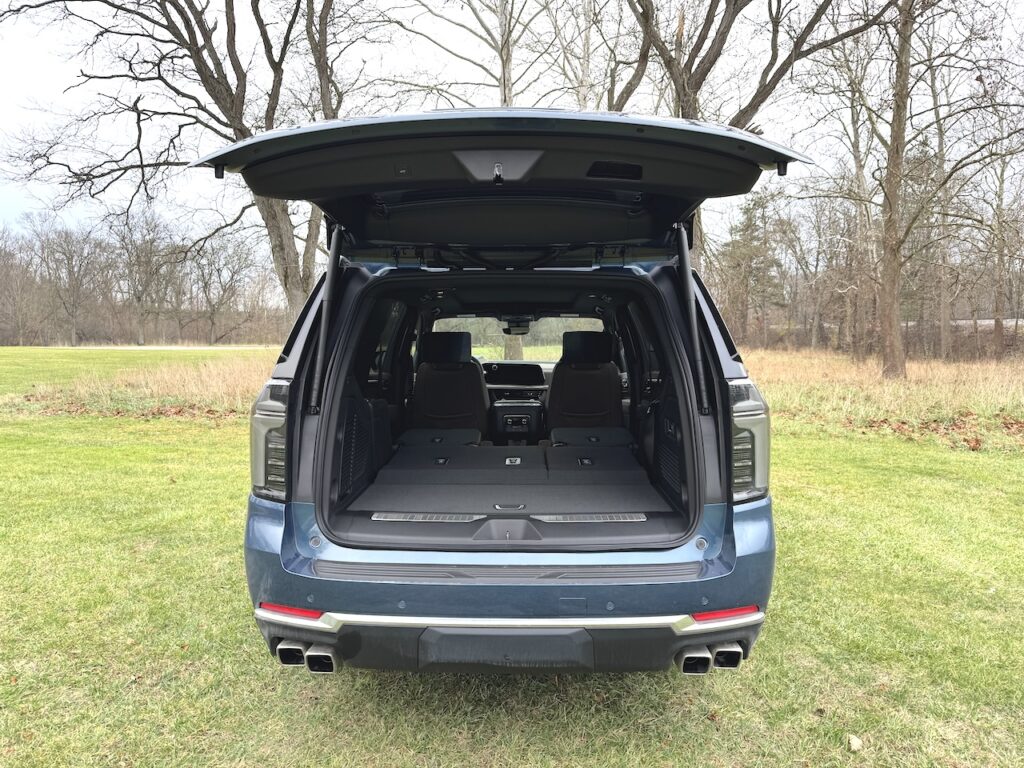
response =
{"points": [[38, 68], [38, 71], [34, 75]]}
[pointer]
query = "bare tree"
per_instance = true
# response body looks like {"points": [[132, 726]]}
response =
{"points": [[599, 53], [496, 28], [22, 308], [220, 268], [893, 355], [144, 250], [71, 260], [169, 75], [691, 56]]}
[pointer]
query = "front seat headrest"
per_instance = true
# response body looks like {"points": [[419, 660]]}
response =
{"points": [[445, 347], [589, 347]]}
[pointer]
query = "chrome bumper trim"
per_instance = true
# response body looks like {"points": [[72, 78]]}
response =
{"points": [[681, 625]]}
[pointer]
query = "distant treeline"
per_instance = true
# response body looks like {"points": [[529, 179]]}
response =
{"points": [[790, 274], [902, 238], [804, 273], [134, 281]]}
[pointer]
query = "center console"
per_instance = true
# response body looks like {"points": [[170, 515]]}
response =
{"points": [[517, 421]]}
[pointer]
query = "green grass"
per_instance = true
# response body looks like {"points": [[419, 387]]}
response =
{"points": [[24, 368], [126, 635]]}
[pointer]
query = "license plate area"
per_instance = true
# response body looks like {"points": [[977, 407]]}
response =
{"points": [[464, 649]]}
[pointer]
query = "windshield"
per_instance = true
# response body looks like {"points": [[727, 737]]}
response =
{"points": [[543, 343]]}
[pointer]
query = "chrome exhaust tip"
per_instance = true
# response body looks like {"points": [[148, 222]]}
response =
{"points": [[727, 655], [291, 653], [320, 660], [694, 661]]}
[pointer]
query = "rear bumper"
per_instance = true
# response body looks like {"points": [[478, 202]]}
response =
{"points": [[621, 611], [425, 644]]}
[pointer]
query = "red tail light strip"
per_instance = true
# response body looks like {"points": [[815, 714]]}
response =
{"points": [[305, 613], [725, 613]]}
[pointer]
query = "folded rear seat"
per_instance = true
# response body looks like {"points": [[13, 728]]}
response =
{"points": [[602, 437], [444, 464], [437, 436], [576, 465]]}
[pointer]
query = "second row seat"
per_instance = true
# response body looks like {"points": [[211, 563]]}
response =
{"points": [[446, 464]]}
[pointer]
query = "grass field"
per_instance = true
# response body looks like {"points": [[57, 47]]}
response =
{"points": [[126, 635]]}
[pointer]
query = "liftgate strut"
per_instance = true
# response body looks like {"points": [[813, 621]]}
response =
{"points": [[690, 299]]}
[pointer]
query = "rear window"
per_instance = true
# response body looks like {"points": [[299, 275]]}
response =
{"points": [[543, 343]]}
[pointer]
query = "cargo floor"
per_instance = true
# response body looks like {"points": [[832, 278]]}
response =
{"points": [[546, 498]]}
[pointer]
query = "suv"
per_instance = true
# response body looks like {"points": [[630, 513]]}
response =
{"points": [[425, 499]]}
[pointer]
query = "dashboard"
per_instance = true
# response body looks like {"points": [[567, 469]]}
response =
{"points": [[515, 381]]}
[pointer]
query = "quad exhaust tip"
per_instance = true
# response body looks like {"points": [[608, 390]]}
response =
{"points": [[320, 660], [701, 659], [727, 655], [694, 661], [291, 653]]}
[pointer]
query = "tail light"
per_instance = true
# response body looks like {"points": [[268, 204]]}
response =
{"points": [[268, 447], [288, 610], [725, 613], [750, 441]]}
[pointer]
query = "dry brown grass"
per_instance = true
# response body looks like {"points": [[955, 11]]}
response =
{"points": [[217, 386], [230, 383], [972, 404]]}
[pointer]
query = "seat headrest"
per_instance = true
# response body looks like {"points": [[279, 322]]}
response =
{"points": [[593, 347], [445, 347]]}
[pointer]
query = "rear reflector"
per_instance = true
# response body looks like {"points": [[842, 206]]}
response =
{"points": [[305, 613], [725, 613]]}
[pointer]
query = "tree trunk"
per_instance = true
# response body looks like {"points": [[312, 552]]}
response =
{"points": [[697, 248], [999, 243], [295, 281], [999, 305], [505, 29], [977, 331], [140, 326], [945, 307], [862, 255], [513, 347], [894, 363]]}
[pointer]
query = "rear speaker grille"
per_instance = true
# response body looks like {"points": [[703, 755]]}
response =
{"points": [[668, 464], [355, 450]]}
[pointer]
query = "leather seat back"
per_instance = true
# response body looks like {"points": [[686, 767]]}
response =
{"points": [[450, 392], [585, 390]]}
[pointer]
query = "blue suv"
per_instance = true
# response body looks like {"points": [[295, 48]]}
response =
{"points": [[509, 430]]}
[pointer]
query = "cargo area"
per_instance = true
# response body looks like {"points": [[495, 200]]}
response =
{"points": [[442, 443], [487, 495]]}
